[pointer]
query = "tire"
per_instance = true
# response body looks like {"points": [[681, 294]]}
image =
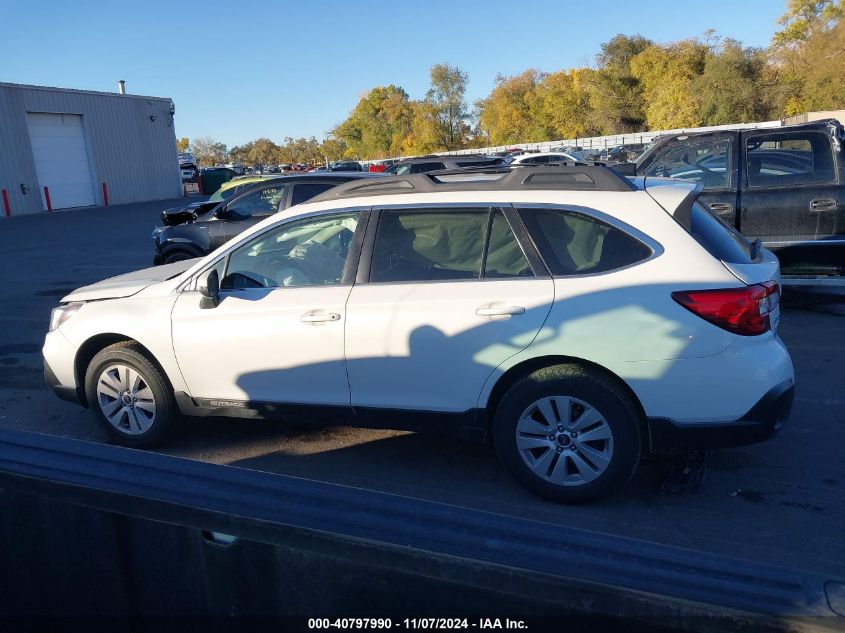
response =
{"points": [[147, 421], [177, 256], [556, 460]]}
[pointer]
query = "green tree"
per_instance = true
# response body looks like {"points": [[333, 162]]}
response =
{"points": [[263, 151], [240, 153], [447, 100], [378, 125], [332, 149], [732, 88], [615, 95], [182, 144]]}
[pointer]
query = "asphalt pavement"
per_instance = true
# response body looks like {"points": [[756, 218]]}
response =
{"points": [[782, 502]]}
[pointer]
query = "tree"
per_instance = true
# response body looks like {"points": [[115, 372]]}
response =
{"points": [[378, 125], [564, 105], [447, 100], [263, 151], [424, 136], [615, 94], [182, 144], [332, 149], [732, 88], [666, 74], [807, 56], [805, 18], [208, 151], [511, 114]]}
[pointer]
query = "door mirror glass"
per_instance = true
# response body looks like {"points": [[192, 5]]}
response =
{"points": [[208, 285]]}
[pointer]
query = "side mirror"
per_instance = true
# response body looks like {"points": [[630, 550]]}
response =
{"points": [[208, 285], [222, 213]]}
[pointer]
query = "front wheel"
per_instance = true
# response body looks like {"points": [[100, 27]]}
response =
{"points": [[568, 433], [130, 396], [176, 256]]}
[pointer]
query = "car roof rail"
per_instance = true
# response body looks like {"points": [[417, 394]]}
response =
{"points": [[561, 177]]}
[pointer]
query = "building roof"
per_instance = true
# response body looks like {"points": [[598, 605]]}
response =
{"points": [[84, 92]]}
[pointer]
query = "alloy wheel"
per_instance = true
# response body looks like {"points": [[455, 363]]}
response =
{"points": [[126, 400], [564, 440]]}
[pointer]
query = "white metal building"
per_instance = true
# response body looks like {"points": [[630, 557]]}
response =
{"points": [[62, 148]]}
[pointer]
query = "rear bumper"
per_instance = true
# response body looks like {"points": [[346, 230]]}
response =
{"points": [[762, 421]]}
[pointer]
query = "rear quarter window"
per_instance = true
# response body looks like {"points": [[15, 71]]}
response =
{"points": [[574, 244]]}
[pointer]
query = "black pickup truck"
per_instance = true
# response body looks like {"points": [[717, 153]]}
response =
{"points": [[782, 185]]}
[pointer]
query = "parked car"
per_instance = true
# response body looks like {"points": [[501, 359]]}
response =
{"points": [[195, 234], [382, 165], [784, 186], [345, 165], [425, 164], [544, 158], [189, 212], [577, 318], [188, 167]]}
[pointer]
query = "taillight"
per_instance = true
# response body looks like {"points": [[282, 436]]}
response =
{"points": [[742, 311]]}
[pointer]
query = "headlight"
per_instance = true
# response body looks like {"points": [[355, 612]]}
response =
{"points": [[157, 231], [63, 313]]}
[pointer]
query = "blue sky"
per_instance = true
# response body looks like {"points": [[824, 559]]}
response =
{"points": [[239, 70]]}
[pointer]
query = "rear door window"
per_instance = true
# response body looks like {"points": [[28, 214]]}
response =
{"points": [[442, 245], [575, 244], [782, 159]]}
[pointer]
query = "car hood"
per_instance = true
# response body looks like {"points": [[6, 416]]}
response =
{"points": [[187, 213], [128, 284]]}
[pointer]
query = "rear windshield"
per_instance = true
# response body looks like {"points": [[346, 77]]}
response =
{"points": [[721, 240]]}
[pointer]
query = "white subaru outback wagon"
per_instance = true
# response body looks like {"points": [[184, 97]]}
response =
{"points": [[577, 318]]}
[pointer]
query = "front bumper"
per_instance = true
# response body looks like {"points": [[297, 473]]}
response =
{"points": [[762, 421], [69, 394]]}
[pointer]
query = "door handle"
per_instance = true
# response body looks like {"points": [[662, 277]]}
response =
{"points": [[823, 204], [721, 207], [494, 310], [318, 316]]}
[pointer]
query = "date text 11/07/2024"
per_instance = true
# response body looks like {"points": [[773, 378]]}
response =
{"points": [[433, 624]]}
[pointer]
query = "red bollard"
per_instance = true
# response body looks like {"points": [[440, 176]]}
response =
{"points": [[6, 205], [105, 195], [47, 198]]}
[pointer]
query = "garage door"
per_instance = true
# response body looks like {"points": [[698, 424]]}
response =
{"points": [[61, 159]]}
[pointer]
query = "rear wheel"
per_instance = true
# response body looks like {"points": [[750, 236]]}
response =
{"points": [[130, 396], [568, 434]]}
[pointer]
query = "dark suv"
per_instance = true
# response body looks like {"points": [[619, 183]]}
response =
{"points": [[189, 234], [426, 164]]}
